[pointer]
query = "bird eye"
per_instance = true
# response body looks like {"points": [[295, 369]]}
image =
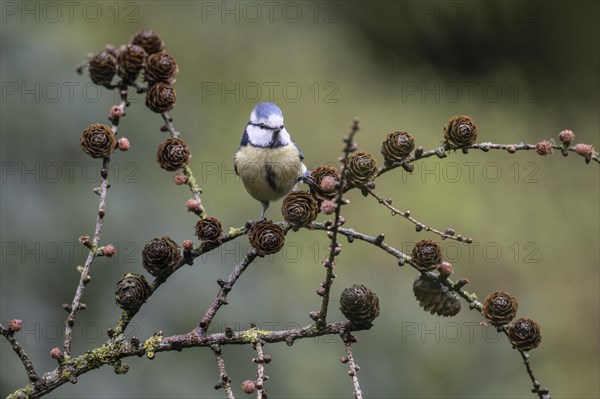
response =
{"points": [[262, 125]]}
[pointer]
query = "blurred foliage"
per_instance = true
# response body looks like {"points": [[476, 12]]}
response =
{"points": [[524, 75]]}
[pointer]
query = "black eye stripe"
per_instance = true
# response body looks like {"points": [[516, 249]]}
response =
{"points": [[263, 126]]}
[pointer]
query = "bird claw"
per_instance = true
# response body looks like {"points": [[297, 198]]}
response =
{"points": [[307, 179]]}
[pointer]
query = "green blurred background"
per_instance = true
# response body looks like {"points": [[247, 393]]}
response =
{"points": [[523, 70]]}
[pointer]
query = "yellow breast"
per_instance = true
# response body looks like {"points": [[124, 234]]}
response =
{"points": [[269, 173]]}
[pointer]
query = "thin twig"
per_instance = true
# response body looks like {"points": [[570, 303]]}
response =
{"points": [[403, 259], [29, 369], [260, 370], [353, 369], [485, 147], [226, 286], [542, 393], [377, 241], [169, 127], [194, 188], [448, 234], [329, 263], [224, 380], [84, 277]]}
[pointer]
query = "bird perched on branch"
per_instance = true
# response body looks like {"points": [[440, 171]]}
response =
{"points": [[268, 161]]}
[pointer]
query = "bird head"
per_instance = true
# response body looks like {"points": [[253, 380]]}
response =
{"points": [[265, 127]]}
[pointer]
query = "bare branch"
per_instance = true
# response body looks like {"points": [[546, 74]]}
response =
{"points": [[226, 286], [449, 233], [542, 393], [404, 259], [169, 127], [485, 147], [224, 380], [9, 334], [353, 368], [85, 271], [260, 361], [349, 147]]}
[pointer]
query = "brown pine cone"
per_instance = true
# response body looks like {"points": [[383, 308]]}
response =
{"points": [[436, 298], [427, 254], [359, 305], [161, 67], [499, 308], [149, 41], [160, 256], [362, 168], [299, 209], [132, 291], [460, 131], [102, 68], [209, 229], [160, 98], [397, 146], [524, 334], [266, 237], [130, 61], [173, 154], [324, 178], [98, 140]]}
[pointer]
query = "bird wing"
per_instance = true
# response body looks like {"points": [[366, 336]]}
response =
{"points": [[299, 151], [245, 139], [244, 142]]}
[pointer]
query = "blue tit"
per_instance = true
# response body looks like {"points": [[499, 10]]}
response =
{"points": [[268, 161]]}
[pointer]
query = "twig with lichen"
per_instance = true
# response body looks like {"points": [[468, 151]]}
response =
{"points": [[187, 177], [119, 348]]}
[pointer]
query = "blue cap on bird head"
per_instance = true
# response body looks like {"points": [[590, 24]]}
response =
{"points": [[265, 110]]}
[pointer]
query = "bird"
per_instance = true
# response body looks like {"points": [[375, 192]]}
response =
{"points": [[268, 162]]}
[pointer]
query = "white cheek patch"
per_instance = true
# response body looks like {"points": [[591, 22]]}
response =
{"points": [[284, 137], [258, 136]]}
